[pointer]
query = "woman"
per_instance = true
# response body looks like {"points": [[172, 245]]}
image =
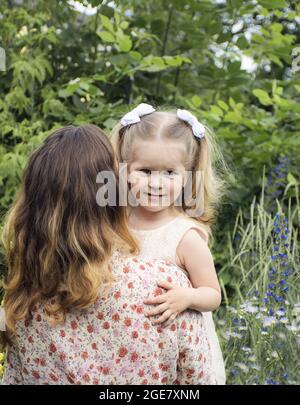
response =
{"points": [[74, 290]]}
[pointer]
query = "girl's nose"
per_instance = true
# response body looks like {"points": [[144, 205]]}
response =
{"points": [[155, 181]]}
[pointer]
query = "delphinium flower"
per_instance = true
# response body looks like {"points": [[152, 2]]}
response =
{"points": [[278, 286], [276, 182], [276, 303]]}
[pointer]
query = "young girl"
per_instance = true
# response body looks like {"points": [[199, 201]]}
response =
{"points": [[160, 149]]}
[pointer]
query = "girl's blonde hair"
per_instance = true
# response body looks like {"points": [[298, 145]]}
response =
{"points": [[57, 239], [201, 156]]}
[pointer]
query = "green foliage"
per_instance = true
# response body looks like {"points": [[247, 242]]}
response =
{"points": [[259, 325], [64, 67]]}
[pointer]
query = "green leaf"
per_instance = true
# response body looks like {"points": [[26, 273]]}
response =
{"points": [[263, 96], [124, 25], [223, 105], [107, 23], [197, 101], [273, 4], [124, 43], [291, 179], [106, 36]]}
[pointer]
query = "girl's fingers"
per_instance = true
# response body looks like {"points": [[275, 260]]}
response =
{"points": [[165, 284], [158, 310], [171, 319], [166, 315], [156, 300]]}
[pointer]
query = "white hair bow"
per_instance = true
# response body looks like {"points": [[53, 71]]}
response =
{"points": [[2, 320], [197, 128], [132, 117]]}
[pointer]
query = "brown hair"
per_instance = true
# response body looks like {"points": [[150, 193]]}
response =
{"points": [[57, 239]]}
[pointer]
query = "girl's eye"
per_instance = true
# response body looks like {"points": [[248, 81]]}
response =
{"points": [[169, 172], [145, 171]]}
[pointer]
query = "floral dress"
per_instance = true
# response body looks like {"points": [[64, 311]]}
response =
{"points": [[113, 342], [161, 243]]}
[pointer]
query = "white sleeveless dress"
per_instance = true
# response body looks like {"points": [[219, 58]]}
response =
{"points": [[161, 243]]}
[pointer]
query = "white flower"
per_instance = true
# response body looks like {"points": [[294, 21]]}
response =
{"points": [[269, 321]]}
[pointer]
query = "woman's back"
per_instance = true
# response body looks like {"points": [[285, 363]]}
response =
{"points": [[113, 342]]}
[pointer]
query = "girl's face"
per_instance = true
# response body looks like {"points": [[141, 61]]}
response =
{"points": [[156, 173]]}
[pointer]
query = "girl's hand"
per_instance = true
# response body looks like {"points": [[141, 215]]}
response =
{"points": [[176, 300]]}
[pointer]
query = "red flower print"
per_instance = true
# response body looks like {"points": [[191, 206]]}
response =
{"points": [[84, 355], [26, 323], [142, 267], [183, 325], [134, 356], [139, 309], [123, 351], [62, 333], [95, 381], [144, 382], [94, 346], [161, 269], [34, 308], [106, 370], [126, 269], [38, 318], [164, 380], [62, 356], [30, 339], [53, 377], [201, 374], [164, 367], [74, 325], [135, 334], [42, 362], [161, 345], [116, 317], [146, 325], [130, 285], [133, 307], [100, 316], [155, 375], [117, 294], [169, 279], [52, 348], [106, 325], [71, 378], [173, 327], [86, 377], [127, 322], [141, 373], [35, 374], [90, 329]]}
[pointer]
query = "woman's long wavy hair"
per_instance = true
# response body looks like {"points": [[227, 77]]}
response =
{"points": [[57, 239]]}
